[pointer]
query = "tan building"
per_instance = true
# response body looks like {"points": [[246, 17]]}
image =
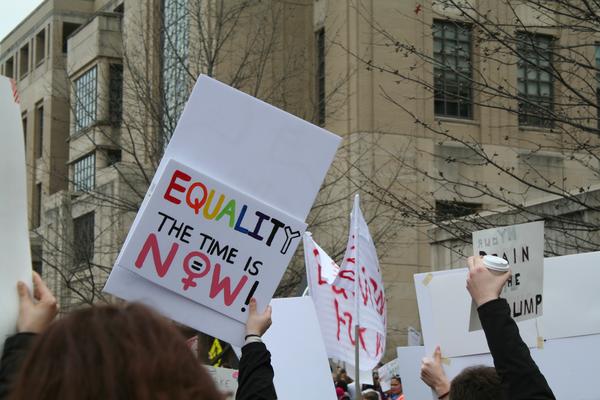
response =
{"points": [[407, 85]]}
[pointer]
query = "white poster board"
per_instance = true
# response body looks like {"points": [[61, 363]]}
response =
{"points": [[414, 337], [297, 351], [571, 296], [523, 247], [248, 145], [409, 369], [444, 311], [386, 373], [15, 256]]}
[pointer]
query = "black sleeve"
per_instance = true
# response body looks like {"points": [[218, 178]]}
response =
{"points": [[255, 379], [520, 376], [16, 348]]}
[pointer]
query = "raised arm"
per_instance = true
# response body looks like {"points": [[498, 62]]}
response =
{"points": [[255, 380], [520, 376]]}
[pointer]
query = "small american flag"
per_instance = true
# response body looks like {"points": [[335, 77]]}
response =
{"points": [[15, 91]]}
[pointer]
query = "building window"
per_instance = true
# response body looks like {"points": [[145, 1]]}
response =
{"points": [[115, 94], [39, 131], [445, 209], [24, 61], [24, 120], [84, 173], [68, 29], [86, 99], [113, 156], [320, 78], [9, 68], [40, 47], [83, 239], [37, 207], [37, 266], [534, 80], [175, 78], [452, 71]]}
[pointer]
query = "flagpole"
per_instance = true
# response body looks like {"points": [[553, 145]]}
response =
{"points": [[357, 386]]}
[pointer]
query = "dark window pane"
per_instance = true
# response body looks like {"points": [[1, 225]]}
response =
{"points": [[83, 239], [84, 173], [534, 80], [86, 99], [452, 69]]}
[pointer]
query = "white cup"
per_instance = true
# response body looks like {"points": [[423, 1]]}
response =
{"points": [[494, 263]]}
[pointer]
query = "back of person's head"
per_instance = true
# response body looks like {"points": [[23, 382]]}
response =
{"points": [[370, 394], [474, 383], [112, 352]]}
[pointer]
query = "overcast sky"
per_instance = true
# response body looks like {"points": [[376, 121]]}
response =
{"points": [[14, 11]]}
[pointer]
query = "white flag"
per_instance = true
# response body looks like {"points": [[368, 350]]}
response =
{"points": [[337, 306], [360, 260]]}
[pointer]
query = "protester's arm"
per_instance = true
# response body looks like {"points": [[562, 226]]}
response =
{"points": [[520, 376], [432, 373], [255, 380], [35, 314]]}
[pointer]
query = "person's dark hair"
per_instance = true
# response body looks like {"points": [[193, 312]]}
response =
{"points": [[370, 395], [112, 352], [474, 383], [396, 377]]}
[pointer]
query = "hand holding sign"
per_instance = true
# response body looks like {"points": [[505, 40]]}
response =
{"points": [[483, 284], [37, 312], [432, 373], [258, 324]]}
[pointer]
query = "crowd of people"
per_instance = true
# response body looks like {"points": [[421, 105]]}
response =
{"points": [[129, 352], [345, 387]]}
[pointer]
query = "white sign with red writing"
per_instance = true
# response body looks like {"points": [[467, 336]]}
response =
{"points": [[360, 272], [336, 309], [210, 243]]}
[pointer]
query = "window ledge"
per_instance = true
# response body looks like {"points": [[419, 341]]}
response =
{"points": [[525, 128], [457, 120]]}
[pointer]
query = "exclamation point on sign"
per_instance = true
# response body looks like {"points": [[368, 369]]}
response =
{"points": [[250, 294]]}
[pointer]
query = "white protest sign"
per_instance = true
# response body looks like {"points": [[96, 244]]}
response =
{"points": [[409, 369], [414, 337], [297, 351], [523, 247], [209, 243], [336, 308], [387, 372], [217, 133], [444, 311], [226, 380], [571, 296], [15, 257]]}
